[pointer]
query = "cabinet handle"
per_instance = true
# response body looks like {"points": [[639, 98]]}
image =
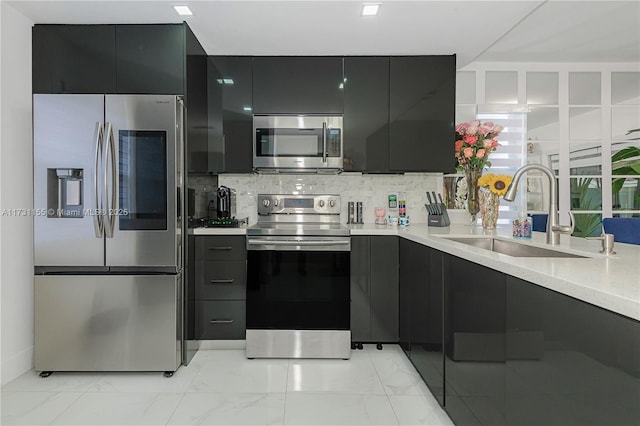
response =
{"points": [[221, 281], [219, 248], [215, 321]]}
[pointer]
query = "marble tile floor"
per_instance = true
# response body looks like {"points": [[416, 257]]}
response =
{"points": [[222, 387]]}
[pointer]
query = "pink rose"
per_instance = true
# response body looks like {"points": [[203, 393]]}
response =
{"points": [[470, 139], [459, 145], [494, 144], [484, 130], [480, 153], [460, 128], [475, 123], [488, 143], [497, 129], [488, 124], [472, 130], [468, 152]]}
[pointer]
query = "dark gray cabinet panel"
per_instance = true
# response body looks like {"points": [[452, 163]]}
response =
{"points": [[360, 289], [150, 59], [384, 288], [221, 320], [366, 113], [422, 113], [74, 59], [231, 91], [197, 105], [221, 247], [569, 362], [221, 280], [297, 85], [374, 289], [475, 342], [421, 312]]}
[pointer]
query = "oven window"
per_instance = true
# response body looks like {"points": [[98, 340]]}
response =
{"points": [[289, 142], [298, 290]]}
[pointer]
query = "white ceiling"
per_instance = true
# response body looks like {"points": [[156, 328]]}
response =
{"points": [[529, 31]]}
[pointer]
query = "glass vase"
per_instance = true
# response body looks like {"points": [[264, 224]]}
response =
{"points": [[473, 203], [489, 208]]}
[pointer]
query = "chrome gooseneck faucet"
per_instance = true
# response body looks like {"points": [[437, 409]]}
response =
{"points": [[554, 229]]}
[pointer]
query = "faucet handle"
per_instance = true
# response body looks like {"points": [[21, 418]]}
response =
{"points": [[564, 229]]}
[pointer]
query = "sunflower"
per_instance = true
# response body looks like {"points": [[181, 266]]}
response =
{"points": [[499, 184], [485, 181]]}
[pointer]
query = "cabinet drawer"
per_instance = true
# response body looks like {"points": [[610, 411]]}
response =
{"points": [[220, 320], [221, 279], [223, 247]]}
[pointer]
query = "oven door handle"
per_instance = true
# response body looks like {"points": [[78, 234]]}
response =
{"points": [[300, 243]]}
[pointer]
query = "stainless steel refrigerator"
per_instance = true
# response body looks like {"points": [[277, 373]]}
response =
{"points": [[108, 173]]}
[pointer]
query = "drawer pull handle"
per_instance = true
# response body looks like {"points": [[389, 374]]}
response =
{"points": [[221, 281], [215, 321], [219, 248]]}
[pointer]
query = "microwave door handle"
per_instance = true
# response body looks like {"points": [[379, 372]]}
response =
{"points": [[324, 141], [98, 224]]}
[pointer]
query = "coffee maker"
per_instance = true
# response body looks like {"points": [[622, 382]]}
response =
{"points": [[226, 203]]}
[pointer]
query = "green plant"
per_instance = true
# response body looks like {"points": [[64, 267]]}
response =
{"points": [[583, 197], [625, 162]]}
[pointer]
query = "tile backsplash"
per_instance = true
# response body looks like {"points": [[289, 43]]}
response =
{"points": [[372, 190]]}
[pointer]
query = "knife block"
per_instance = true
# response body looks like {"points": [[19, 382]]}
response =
{"points": [[440, 220]]}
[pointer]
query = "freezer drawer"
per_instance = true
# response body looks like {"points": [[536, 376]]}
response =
{"points": [[107, 323]]}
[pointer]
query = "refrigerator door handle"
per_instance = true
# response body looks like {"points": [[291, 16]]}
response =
{"points": [[98, 224], [111, 196]]}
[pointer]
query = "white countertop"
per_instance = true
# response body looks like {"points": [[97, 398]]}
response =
{"points": [[609, 281]]}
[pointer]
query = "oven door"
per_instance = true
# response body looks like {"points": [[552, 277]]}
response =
{"points": [[289, 288], [297, 142]]}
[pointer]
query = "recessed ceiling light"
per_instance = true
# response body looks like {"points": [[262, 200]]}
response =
{"points": [[183, 10], [370, 9], [247, 108]]}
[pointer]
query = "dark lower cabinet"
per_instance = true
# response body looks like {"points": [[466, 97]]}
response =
{"points": [[421, 312], [220, 287], [568, 362], [374, 289], [474, 342]]}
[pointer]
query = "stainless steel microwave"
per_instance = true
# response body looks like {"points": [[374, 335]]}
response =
{"points": [[297, 143]]}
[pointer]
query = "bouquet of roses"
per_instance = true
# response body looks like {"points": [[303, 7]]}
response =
{"points": [[474, 142]]}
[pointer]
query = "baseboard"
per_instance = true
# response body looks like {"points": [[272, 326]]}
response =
{"points": [[222, 344], [16, 365]]}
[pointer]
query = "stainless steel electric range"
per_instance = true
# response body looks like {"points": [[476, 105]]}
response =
{"points": [[298, 281]]}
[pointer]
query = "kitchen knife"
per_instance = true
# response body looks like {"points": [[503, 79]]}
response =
{"points": [[442, 206], [430, 205], [438, 209]]}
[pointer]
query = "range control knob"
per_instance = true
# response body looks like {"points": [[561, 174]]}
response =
{"points": [[266, 203], [321, 203], [332, 203], [275, 202]]}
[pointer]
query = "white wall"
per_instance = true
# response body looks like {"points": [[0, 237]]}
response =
{"points": [[16, 192]]}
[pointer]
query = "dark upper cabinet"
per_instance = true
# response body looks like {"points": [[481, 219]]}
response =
{"points": [[366, 113], [150, 58], [230, 96], [197, 105], [74, 59], [422, 113], [146, 58], [297, 85]]}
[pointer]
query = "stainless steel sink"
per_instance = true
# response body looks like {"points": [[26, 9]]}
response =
{"points": [[512, 248]]}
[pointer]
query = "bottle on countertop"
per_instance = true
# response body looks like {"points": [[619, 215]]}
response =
{"points": [[522, 226]]}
